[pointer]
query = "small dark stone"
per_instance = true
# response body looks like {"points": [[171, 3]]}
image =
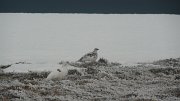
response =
{"points": [[5, 66], [58, 70]]}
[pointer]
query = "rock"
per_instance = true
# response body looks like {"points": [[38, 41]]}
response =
{"points": [[5, 66]]}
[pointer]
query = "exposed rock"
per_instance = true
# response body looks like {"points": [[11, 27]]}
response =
{"points": [[5, 66]]}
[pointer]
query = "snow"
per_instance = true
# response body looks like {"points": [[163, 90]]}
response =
{"points": [[35, 45], [61, 72], [50, 38], [31, 67]]}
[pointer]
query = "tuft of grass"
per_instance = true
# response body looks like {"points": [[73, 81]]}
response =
{"points": [[177, 77], [115, 64], [168, 62], [145, 100], [100, 62], [92, 71], [174, 92], [167, 71], [103, 61], [73, 72]]}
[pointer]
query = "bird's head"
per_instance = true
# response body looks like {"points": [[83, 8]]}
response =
{"points": [[96, 49]]}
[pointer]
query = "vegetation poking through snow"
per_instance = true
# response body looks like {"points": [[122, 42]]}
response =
{"points": [[98, 82], [103, 61], [4, 66], [22, 62], [31, 75], [74, 72], [167, 71], [100, 62], [168, 62]]}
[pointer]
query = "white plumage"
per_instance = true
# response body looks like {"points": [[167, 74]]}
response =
{"points": [[58, 74], [89, 57], [61, 72]]}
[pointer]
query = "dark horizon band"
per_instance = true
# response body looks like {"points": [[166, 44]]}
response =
{"points": [[91, 6]]}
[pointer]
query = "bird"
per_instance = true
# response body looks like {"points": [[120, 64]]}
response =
{"points": [[90, 57]]}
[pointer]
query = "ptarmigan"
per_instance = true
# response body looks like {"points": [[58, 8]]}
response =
{"points": [[89, 57]]}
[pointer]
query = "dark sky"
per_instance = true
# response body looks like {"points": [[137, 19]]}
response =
{"points": [[91, 6]]}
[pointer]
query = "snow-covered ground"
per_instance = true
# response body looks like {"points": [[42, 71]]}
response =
{"points": [[50, 38], [32, 45]]}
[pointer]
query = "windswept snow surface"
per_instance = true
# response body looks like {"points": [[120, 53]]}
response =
{"points": [[50, 38]]}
